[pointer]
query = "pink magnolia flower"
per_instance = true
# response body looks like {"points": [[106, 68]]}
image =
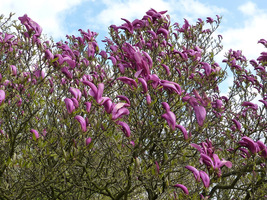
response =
{"points": [[163, 31], [262, 149], [200, 113], [119, 110], [171, 86], [237, 124], [251, 105], [185, 190], [184, 131], [125, 128], [76, 93], [88, 141], [121, 97], [144, 84], [82, 122], [35, 132], [194, 171], [2, 96], [88, 106], [250, 144], [205, 178], [69, 105], [13, 70], [128, 81], [169, 116], [95, 92]]}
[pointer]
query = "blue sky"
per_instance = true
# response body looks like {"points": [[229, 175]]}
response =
{"points": [[244, 22]]}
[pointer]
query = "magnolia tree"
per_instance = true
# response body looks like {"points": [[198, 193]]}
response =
{"points": [[142, 119]]}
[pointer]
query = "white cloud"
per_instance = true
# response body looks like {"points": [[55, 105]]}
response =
{"points": [[248, 8], [49, 14]]}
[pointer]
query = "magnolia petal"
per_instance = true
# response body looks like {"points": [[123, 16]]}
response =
{"points": [[200, 113], [121, 97], [197, 147], [99, 93], [125, 128], [88, 141], [35, 132], [88, 106], [185, 190], [250, 144], [237, 124], [166, 106], [195, 172], [144, 84], [205, 178], [170, 118], [2, 96], [82, 122], [69, 105], [183, 131]]}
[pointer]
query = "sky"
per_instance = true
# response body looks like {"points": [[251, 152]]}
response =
{"points": [[243, 23]]}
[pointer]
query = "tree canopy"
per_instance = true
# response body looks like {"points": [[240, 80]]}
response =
{"points": [[143, 118]]}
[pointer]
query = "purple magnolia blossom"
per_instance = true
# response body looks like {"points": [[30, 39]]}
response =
{"points": [[31, 26], [88, 106], [237, 124], [163, 31], [205, 178], [66, 72], [2, 96], [171, 86], [48, 55], [121, 97], [264, 102], [207, 68], [35, 132], [262, 149], [75, 102], [82, 122], [185, 190], [200, 113], [95, 92], [127, 26], [169, 116], [184, 131], [148, 99], [69, 105], [144, 84], [250, 144], [125, 128], [76, 93], [88, 141], [128, 81], [251, 105], [13, 70], [194, 171], [119, 110]]}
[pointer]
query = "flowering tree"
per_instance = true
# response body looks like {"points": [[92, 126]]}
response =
{"points": [[142, 119]]}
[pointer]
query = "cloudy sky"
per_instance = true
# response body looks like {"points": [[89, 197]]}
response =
{"points": [[244, 22]]}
